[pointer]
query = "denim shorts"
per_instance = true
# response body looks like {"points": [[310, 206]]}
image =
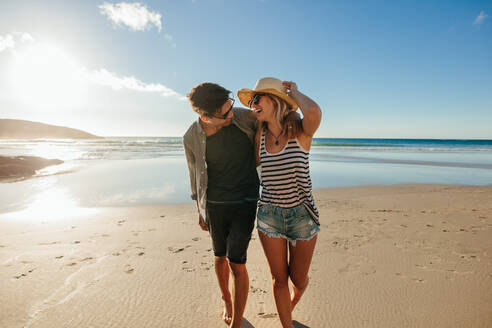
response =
{"points": [[293, 223]]}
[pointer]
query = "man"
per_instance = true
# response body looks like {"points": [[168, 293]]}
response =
{"points": [[219, 149]]}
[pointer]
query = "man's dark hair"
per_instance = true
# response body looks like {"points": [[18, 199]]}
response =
{"points": [[207, 98]]}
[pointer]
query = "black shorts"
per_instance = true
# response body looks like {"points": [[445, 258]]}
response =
{"points": [[230, 227]]}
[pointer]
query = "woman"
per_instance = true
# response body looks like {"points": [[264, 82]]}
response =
{"points": [[287, 217]]}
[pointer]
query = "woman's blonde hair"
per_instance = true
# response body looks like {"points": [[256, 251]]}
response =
{"points": [[281, 110]]}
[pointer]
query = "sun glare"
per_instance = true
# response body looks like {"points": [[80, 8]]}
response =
{"points": [[45, 76], [51, 204]]}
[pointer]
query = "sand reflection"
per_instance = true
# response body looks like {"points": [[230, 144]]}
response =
{"points": [[51, 204]]}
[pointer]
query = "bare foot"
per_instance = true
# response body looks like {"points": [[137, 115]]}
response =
{"points": [[227, 313]]}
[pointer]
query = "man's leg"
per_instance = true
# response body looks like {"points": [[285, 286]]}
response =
{"points": [[242, 223], [218, 232], [240, 288], [222, 272]]}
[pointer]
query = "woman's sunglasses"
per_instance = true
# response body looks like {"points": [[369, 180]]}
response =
{"points": [[255, 99]]}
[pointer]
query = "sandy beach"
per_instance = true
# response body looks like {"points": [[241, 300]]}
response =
{"points": [[387, 256]]}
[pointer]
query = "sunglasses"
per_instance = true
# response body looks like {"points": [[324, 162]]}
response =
{"points": [[224, 116], [255, 99]]}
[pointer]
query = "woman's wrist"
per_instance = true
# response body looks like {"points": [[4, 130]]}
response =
{"points": [[294, 93]]}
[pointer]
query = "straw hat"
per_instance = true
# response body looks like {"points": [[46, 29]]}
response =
{"points": [[267, 85]]}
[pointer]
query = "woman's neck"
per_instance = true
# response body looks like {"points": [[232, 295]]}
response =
{"points": [[274, 127]]}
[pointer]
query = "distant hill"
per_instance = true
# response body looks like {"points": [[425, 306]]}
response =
{"points": [[19, 129]]}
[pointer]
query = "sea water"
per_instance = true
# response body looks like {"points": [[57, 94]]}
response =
{"points": [[127, 171]]}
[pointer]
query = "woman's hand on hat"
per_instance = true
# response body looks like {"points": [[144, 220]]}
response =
{"points": [[291, 87]]}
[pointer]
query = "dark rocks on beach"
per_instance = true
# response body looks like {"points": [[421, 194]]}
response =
{"points": [[23, 166]]}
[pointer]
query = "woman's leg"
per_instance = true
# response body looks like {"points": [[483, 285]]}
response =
{"points": [[299, 262], [276, 253]]}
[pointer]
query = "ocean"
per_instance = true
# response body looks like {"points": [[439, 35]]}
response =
{"points": [[127, 171]]}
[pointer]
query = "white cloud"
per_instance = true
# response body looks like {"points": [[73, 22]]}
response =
{"points": [[9, 41], [170, 38], [44, 66], [6, 42], [105, 78], [134, 15], [480, 18], [26, 37]]}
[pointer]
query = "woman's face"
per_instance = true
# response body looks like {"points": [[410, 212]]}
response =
{"points": [[263, 107]]}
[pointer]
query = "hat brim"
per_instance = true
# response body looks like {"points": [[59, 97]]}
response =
{"points": [[245, 96]]}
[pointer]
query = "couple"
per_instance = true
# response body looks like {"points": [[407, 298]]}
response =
{"points": [[223, 148]]}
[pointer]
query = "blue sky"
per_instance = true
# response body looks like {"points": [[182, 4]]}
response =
{"points": [[402, 69]]}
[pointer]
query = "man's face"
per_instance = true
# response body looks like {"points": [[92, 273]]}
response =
{"points": [[224, 116]]}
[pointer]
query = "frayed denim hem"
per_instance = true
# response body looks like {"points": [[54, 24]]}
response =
{"points": [[279, 235]]}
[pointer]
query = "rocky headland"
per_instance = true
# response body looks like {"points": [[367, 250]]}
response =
{"points": [[20, 129]]}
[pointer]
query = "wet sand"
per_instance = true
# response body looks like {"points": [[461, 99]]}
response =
{"points": [[387, 256]]}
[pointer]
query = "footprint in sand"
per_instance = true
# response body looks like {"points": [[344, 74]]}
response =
{"points": [[86, 259], [196, 239], [175, 250], [255, 290], [59, 257], [267, 315], [206, 266], [49, 243], [345, 269], [129, 269], [419, 280], [24, 274]]}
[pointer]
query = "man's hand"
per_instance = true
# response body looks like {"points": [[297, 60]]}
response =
{"points": [[201, 223]]}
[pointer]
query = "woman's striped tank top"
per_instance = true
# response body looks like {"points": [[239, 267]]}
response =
{"points": [[285, 178]]}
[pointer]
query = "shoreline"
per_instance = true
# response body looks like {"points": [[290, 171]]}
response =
{"points": [[387, 256], [316, 191], [21, 212]]}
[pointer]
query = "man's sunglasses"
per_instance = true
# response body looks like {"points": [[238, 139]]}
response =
{"points": [[223, 117]]}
